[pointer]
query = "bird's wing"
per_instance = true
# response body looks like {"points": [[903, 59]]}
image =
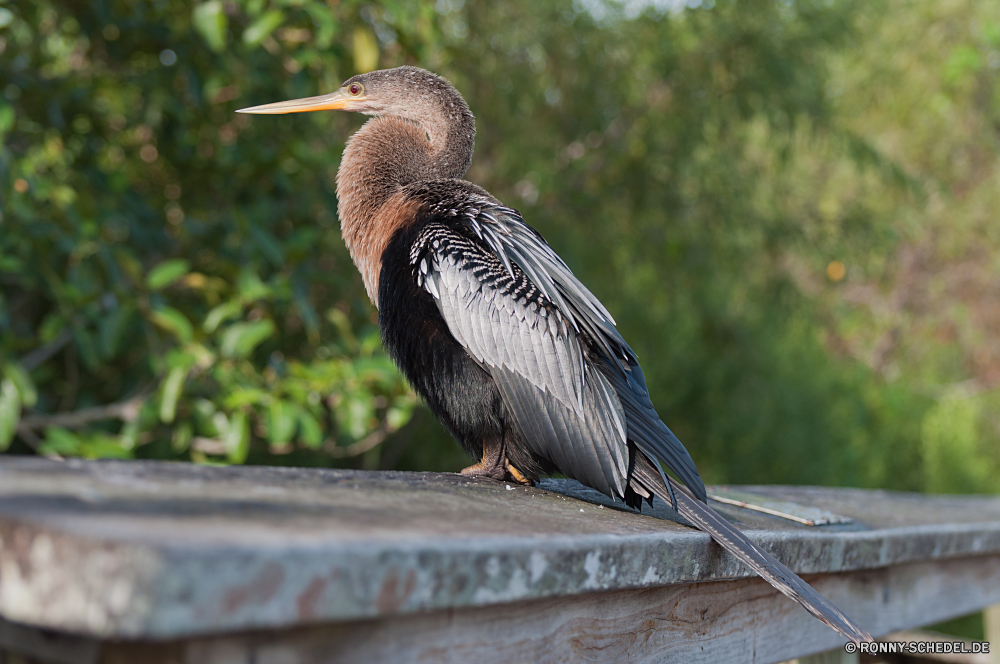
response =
{"points": [[647, 430], [504, 235], [565, 409], [516, 244]]}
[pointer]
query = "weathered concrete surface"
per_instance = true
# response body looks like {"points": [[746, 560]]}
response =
{"points": [[159, 550]]}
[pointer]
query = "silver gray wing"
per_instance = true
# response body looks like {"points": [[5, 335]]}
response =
{"points": [[566, 409], [519, 249]]}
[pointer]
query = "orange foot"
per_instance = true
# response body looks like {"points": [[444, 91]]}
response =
{"points": [[516, 474]]}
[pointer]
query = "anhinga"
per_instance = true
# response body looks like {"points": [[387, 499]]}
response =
{"points": [[511, 352]]}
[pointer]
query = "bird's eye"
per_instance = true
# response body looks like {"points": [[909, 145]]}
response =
{"points": [[355, 88]]}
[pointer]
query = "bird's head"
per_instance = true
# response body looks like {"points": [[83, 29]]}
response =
{"points": [[406, 92]]}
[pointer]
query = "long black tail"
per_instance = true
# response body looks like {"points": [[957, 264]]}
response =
{"points": [[767, 566]]}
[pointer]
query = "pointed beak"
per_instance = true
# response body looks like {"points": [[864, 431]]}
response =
{"points": [[335, 101]]}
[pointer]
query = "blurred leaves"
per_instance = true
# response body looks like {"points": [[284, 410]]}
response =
{"points": [[10, 412], [211, 22], [62, 442], [240, 339], [789, 207], [181, 254], [365, 50], [174, 322], [953, 451], [236, 437], [263, 27], [171, 392], [167, 273], [15, 373]]}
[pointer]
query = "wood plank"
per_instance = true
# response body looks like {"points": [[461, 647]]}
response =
{"points": [[991, 630], [838, 656], [46, 646], [740, 622], [162, 551]]}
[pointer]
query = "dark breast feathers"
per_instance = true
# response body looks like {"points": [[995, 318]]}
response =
{"points": [[493, 330]]}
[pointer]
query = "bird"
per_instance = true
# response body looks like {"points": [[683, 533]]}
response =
{"points": [[510, 351]]}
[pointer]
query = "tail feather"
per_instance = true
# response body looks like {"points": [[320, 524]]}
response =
{"points": [[767, 566]]}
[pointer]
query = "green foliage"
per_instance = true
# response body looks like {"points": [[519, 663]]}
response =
{"points": [[158, 247], [956, 453], [772, 198], [10, 412]]}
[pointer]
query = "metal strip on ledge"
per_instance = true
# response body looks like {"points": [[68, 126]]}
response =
{"points": [[808, 516]]}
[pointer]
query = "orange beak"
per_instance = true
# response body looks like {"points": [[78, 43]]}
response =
{"points": [[335, 101]]}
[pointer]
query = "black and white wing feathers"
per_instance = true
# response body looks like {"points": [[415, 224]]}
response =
{"points": [[510, 286], [566, 410]]}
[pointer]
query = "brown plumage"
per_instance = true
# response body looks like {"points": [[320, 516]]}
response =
{"points": [[510, 351]]}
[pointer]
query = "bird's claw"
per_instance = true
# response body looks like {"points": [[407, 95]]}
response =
{"points": [[495, 465]]}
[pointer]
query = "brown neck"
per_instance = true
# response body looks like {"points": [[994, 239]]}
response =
{"points": [[384, 156]]}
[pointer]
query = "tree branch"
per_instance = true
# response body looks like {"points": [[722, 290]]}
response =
{"points": [[360, 447], [42, 353], [208, 445], [127, 411]]}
